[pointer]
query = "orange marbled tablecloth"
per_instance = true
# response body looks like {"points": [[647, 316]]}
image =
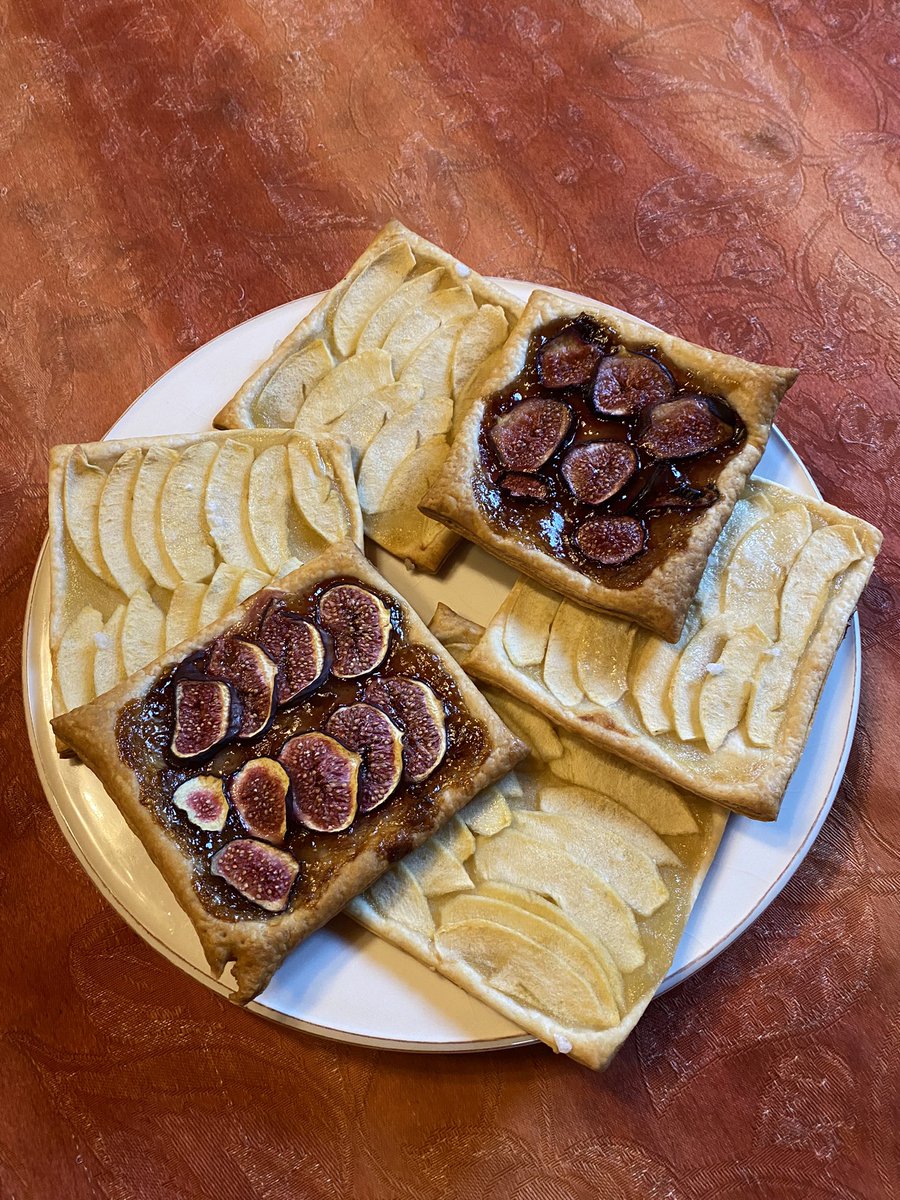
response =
{"points": [[728, 170]]}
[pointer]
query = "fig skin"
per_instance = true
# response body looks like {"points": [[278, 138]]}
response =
{"points": [[597, 471], [626, 384], [207, 713], [252, 674], [414, 707], [261, 874], [611, 541], [529, 435], [324, 779], [259, 792], [359, 625], [683, 428], [567, 360], [203, 801], [298, 649], [372, 735], [530, 488]]}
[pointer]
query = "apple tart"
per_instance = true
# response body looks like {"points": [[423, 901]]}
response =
{"points": [[278, 762], [151, 539], [602, 457], [387, 359], [559, 894], [725, 711]]}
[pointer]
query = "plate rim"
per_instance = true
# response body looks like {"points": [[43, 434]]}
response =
{"points": [[509, 1041]]}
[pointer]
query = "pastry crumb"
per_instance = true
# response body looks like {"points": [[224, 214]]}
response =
{"points": [[563, 1045]]}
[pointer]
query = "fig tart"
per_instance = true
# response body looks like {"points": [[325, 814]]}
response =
{"points": [[558, 895], [603, 457], [280, 760], [725, 711], [153, 538], [387, 359]]}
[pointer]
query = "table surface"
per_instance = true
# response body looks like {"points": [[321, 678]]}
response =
{"points": [[727, 170]]}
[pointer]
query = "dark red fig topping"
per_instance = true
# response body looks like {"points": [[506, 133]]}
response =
{"points": [[413, 706], [360, 628], [259, 795], [297, 649], [531, 433], [258, 871], [525, 487], [203, 802], [205, 715], [610, 541], [376, 739], [626, 384], [324, 779], [251, 672], [568, 360], [595, 471], [685, 498], [683, 428]]}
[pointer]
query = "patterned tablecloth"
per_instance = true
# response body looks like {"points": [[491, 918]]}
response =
{"points": [[727, 170]]}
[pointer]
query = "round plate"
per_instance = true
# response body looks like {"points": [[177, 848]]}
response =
{"points": [[343, 982]]}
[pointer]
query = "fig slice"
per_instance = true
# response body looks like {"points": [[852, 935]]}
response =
{"points": [[297, 649], [525, 487], [567, 360], [611, 541], [259, 795], [202, 800], [684, 428], [413, 706], [205, 715], [324, 779], [626, 384], [258, 871], [684, 497], [596, 471], [531, 433], [372, 735], [251, 672], [360, 627]]}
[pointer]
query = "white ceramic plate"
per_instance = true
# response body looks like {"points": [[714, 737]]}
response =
{"points": [[343, 982]]}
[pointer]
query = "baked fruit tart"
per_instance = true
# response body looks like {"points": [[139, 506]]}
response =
{"points": [[603, 457], [277, 763], [559, 894], [153, 538], [387, 359], [724, 711]]}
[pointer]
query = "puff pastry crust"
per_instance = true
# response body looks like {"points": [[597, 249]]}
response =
{"points": [[725, 711], [388, 358], [573, 823], [661, 601], [261, 503], [257, 946]]}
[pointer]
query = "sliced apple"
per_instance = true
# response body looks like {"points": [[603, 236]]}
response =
{"points": [[277, 405], [652, 669], [414, 476], [349, 383], [269, 503], [476, 342], [120, 553], [83, 486], [684, 692], [560, 666], [362, 421], [368, 291], [398, 438], [75, 658], [725, 691], [250, 582], [437, 870], [598, 814], [407, 333], [221, 593], [182, 511], [316, 494], [630, 873], [757, 570], [531, 726], [529, 617], [183, 617], [142, 633], [109, 665], [398, 896], [146, 527], [488, 813], [428, 367], [808, 588], [227, 505], [285, 568], [408, 297], [511, 857], [456, 838], [602, 657]]}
